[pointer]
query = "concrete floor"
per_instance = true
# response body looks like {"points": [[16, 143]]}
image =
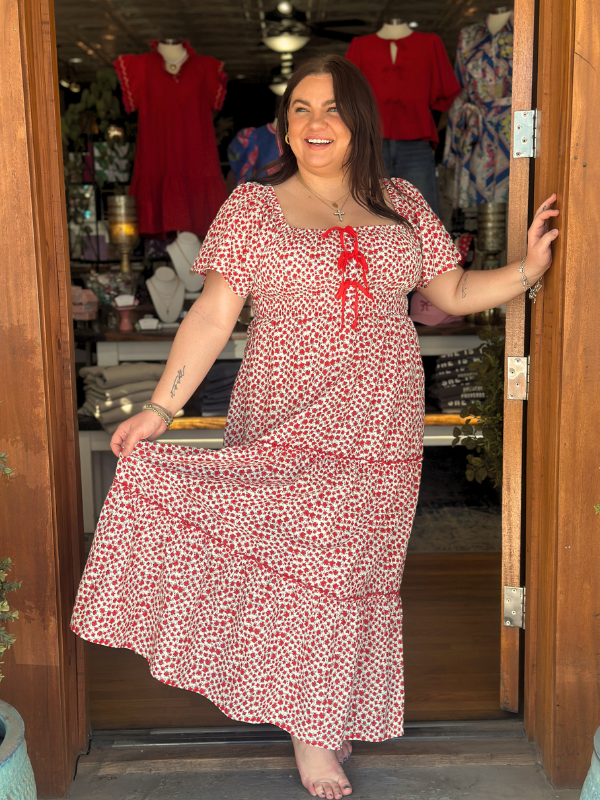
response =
{"points": [[421, 783]]}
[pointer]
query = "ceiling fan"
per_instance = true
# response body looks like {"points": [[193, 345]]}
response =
{"points": [[285, 18]]}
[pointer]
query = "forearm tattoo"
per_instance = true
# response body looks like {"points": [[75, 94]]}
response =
{"points": [[177, 381], [464, 285]]}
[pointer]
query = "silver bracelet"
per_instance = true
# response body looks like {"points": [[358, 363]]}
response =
{"points": [[533, 290], [166, 417]]}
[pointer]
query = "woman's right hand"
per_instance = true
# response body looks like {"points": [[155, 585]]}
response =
{"points": [[145, 425]]}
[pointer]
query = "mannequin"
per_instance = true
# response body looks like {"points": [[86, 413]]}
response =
{"points": [[498, 19], [167, 294], [174, 54], [183, 252], [394, 28]]}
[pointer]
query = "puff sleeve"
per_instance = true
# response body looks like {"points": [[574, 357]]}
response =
{"points": [[439, 252], [444, 85], [130, 70], [215, 81], [233, 244]]}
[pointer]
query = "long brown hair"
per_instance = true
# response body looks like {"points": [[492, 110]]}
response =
{"points": [[358, 110]]}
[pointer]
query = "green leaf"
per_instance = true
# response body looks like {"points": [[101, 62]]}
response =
{"points": [[470, 474], [481, 474]]}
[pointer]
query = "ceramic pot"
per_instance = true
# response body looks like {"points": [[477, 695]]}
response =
{"points": [[16, 776], [591, 787]]}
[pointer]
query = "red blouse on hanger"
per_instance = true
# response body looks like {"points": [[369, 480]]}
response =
{"points": [[421, 79], [177, 179]]}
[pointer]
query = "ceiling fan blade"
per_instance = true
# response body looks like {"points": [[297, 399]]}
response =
{"points": [[341, 23], [324, 33]]}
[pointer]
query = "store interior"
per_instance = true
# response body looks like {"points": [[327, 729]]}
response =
{"points": [[132, 245]]}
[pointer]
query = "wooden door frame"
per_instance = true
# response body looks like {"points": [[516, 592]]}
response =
{"points": [[41, 526], [519, 212]]}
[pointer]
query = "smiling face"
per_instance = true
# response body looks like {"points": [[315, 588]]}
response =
{"points": [[318, 137]]}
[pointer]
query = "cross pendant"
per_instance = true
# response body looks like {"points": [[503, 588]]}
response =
{"points": [[339, 214]]}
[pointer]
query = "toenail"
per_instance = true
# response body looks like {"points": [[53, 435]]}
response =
{"points": [[345, 758]]}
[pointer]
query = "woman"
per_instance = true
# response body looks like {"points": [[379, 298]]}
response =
{"points": [[266, 575]]}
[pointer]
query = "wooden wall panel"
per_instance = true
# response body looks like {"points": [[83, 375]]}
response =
{"points": [[563, 698], [40, 525], [512, 486]]}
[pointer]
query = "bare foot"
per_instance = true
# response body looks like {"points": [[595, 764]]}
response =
{"points": [[344, 754], [320, 770]]}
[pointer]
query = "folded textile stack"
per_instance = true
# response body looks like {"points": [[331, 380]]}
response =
{"points": [[113, 394], [454, 385], [215, 392]]}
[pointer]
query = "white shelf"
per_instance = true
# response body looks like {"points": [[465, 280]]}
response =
{"points": [[110, 354]]}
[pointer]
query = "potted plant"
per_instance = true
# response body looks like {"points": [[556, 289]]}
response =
{"points": [[16, 776]]}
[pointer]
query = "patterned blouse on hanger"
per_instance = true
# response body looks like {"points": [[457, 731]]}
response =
{"points": [[479, 121]]}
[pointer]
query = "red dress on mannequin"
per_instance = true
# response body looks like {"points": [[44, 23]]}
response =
{"points": [[177, 178]]}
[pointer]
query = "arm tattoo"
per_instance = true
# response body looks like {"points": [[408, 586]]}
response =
{"points": [[464, 285], [177, 381]]}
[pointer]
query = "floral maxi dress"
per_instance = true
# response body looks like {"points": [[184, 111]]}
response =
{"points": [[266, 575]]}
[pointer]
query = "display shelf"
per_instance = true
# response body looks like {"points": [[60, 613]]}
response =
{"points": [[113, 347], [214, 423]]}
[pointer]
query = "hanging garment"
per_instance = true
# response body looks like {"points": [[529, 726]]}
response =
{"points": [[251, 150], [420, 80], [266, 575], [479, 122], [413, 162], [177, 179]]}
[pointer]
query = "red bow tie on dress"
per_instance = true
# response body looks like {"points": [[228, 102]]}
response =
{"points": [[345, 257]]}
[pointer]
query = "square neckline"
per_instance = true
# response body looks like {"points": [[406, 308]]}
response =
{"points": [[279, 210]]}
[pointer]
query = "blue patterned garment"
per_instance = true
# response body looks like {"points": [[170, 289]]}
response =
{"points": [[479, 121], [250, 150]]}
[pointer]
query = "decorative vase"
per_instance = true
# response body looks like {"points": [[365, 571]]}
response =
{"points": [[125, 325], [123, 227], [16, 776], [591, 787]]}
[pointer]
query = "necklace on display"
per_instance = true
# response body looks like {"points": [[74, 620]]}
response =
{"points": [[166, 300], [173, 66], [334, 203], [190, 264]]}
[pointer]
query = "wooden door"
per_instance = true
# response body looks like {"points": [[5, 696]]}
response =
{"points": [[557, 491], [562, 641]]}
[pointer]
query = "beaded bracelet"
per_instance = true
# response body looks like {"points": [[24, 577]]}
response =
{"points": [[162, 413], [533, 290]]}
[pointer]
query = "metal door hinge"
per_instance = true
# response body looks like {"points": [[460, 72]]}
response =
{"points": [[517, 384], [514, 606], [526, 134]]}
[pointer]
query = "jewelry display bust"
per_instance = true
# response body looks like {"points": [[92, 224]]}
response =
{"points": [[183, 252], [167, 294]]}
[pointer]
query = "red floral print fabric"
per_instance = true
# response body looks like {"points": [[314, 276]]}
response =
{"points": [[266, 575]]}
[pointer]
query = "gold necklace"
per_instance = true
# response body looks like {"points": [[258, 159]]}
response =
{"points": [[338, 213], [190, 263]]}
